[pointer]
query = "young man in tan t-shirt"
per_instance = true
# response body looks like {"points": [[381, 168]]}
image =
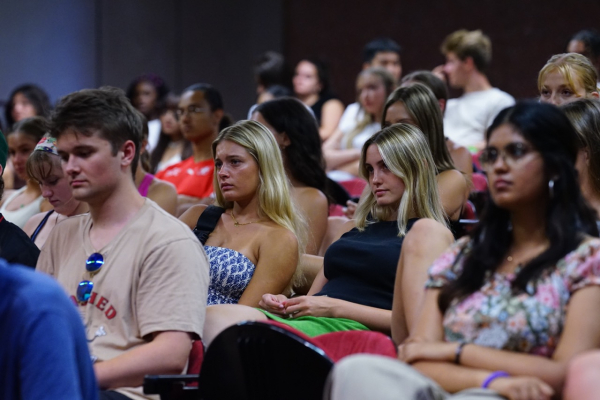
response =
{"points": [[139, 276]]}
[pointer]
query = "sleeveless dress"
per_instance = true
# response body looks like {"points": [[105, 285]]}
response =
{"points": [[230, 274], [20, 216]]}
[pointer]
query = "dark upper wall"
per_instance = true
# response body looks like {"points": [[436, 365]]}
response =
{"points": [[47, 43], [524, 34], [188, 41], [67, 45]]}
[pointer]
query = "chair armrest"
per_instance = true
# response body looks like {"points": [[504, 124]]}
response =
{"points": [[170, 385]]}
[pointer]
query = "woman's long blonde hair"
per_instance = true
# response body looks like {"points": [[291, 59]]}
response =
{"points": [[274, 201], [572, 66], [423, 107], [387, 80], [406, 154]]}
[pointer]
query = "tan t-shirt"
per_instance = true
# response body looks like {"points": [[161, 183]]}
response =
{"points": [[154, 278]]}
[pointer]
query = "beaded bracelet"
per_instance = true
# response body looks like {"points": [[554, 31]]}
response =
{"points": [[492, 376], [458, 352]]}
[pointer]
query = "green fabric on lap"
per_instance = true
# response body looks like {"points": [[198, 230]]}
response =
{"points": [[315, 326]]}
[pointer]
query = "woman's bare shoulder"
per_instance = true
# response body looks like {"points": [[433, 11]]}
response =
{"points": [[33, 222], [309, 195], [190, 217], [274, 234], [453, 178]]}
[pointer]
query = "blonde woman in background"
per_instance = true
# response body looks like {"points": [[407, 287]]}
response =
{"points": [[255, 245], [416, 104], [566, 78], [360, 120]]}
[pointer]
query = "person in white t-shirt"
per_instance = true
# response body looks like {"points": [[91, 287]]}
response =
{"points": [[138, 276], [468, 55]]}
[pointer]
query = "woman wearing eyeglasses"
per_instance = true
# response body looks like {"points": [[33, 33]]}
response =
{"points": [[506, 308], [257, 235], [201, 117]]}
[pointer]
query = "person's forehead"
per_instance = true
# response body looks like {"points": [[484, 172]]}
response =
{"points": [[72, 138], [577, 46], [190, 98], [558, 79], [386, 56]]}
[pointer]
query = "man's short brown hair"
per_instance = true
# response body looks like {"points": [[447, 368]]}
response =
{"points": [[472, 44], [107, 111]]}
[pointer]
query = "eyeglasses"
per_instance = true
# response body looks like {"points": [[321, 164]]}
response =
{"points": [[511, 154], [93, 265], [190, 110]]}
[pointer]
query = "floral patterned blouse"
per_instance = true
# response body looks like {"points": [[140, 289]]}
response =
{"points": [[530, 322]]}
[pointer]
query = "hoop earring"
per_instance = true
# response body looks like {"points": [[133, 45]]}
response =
{"points": [[551, 188]]}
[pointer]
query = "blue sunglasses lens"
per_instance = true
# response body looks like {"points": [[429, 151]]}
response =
{"points": [[94, 262], [84, 290]]}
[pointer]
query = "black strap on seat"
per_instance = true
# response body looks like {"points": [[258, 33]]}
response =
{"points": [[207, 222]]}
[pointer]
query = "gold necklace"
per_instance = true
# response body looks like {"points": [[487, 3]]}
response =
{"points": [[237, 223]]}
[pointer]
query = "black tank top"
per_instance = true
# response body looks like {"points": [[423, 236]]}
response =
{"points": [[317, 108], [361, 266]]}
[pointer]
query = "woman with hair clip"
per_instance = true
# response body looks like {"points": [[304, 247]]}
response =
{"points": [[201, 117], [18, 206], [508, 307], [566, 78], [297, 135], [399, 222], [360, 120], [252, 235], [44, 167], [416, 104], [584, 114]]}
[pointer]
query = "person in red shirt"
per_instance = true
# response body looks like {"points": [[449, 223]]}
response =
{"points": [[201, 117]]}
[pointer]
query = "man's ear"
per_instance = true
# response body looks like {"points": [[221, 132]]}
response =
{"points": [[366, 65], [128, 150], [469, 63], [595, 95]]}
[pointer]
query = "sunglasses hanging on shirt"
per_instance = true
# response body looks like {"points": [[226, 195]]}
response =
{"points": [[92, 265]]}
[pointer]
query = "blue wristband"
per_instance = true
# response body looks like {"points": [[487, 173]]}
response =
{"points": [[492, 376]]}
